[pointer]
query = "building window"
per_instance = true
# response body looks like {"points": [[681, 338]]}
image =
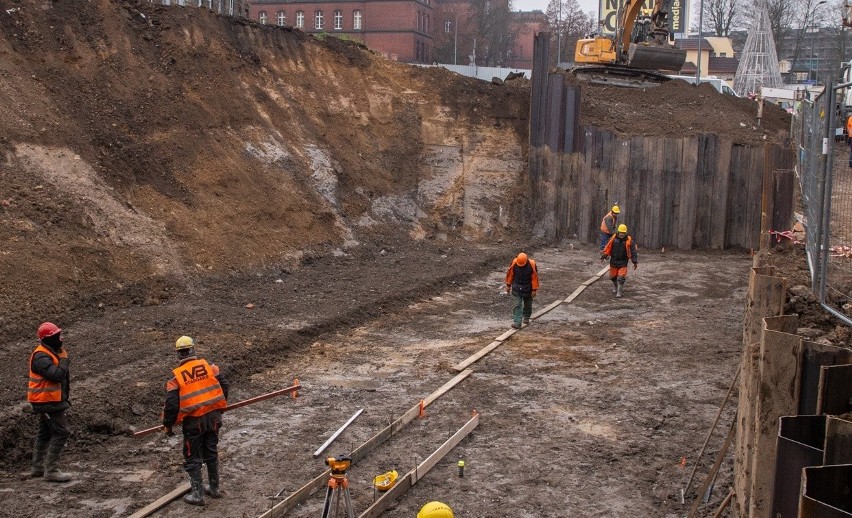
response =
{"points": [[448, 26], [300, 19], [282, 18], [318, 20], [356, 20], [338, 20], [262, 18]]}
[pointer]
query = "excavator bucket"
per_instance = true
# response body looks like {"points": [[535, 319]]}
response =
{"points": [[655, 57]]}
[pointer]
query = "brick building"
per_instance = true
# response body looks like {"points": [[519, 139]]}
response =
{"points": [[398, 29], [412, 31], [525, 25]]}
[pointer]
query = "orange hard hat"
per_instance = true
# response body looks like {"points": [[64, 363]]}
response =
{"points": [[47, 329], [521, 259]]}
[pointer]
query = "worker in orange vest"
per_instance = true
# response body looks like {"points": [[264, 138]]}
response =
{"points": [[609, 224], [849, 137], [522, 283], [195, 397], [620, 250], [47, 392]]}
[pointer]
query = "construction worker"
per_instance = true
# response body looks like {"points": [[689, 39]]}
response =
{"points": [[849, 137], [435, 510], [48, 389], [621, 250], [195, 397], [522, 283], [608, 225]]}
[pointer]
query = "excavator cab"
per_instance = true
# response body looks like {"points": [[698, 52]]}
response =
{"points": [[635, 54]]}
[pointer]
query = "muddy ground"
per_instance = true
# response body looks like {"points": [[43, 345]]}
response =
{"points": [[588, 412]]}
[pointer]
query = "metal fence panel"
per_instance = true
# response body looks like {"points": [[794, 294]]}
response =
{"points": [[826, 186]]}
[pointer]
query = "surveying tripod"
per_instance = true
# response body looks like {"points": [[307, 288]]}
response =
{"points": [[338, 483]]}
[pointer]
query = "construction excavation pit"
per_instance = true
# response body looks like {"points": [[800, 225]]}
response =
{"points": [[333, 230]]}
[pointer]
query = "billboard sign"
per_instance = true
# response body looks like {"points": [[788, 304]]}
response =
{"points": [[678, 16]]}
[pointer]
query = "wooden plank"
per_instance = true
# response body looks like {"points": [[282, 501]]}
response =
{"points": [[381, 505], [546, 309], [478, 356], [574, 294], [458, 378], [506, 335], [411, 478], [588, 225], [656, 164], [320, 481], [714, 470], [162, 501]]}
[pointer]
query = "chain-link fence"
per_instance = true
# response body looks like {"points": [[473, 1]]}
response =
{"points": [[825, 175]]}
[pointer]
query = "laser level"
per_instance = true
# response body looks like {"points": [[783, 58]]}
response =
{"points": [[338, 483]]}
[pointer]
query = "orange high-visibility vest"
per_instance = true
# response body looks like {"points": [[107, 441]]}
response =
{"points": [[41, 389], [200, 391], [605, 227]]}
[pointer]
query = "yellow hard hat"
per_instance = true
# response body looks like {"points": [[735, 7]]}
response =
{"points": [[435, 510], [616, 210], [184, 342], [622, 228]]}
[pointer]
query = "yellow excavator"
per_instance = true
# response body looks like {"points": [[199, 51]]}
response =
{"points": [[636, 53]]}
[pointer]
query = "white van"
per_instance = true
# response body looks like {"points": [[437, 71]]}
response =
{"points": [[720, 85]]}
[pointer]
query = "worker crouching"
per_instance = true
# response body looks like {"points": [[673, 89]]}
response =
{"points": [[195, 397], [621, 250]]}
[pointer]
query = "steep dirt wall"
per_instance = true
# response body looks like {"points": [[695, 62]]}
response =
{"points": [[142, 141]]}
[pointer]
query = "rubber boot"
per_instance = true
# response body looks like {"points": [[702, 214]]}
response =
{"points": [[51, 462], [212, 488], [620, 287], [39, 451], [614, 285], [196, 490]]}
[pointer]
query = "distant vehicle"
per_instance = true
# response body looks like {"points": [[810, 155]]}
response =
{"points": [[720, 85]]}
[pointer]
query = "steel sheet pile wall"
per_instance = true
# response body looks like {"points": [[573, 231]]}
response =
{"points": [[782, 375], [701, 192], [692, 192]]}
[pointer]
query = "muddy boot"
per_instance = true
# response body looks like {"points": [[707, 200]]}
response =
{"points": [[620, 287], [196, 490], [39, 451], [213, 477], [614, 285], [51, 462]]}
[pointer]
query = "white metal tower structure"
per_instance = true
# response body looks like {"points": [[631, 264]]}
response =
{"points": [[759, 61]]}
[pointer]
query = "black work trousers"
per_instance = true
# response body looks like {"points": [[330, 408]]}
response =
{"points": [[53, 426], [201, 440]]}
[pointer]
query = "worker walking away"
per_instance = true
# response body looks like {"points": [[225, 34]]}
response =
{"points": [[195, 397], [522, 283], [621, 250], [609, 224], [48, 390]]}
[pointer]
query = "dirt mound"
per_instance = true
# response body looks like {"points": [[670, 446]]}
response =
{"points": [[676, 109]]}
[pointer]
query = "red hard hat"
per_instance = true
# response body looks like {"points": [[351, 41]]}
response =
{"points": [[47, 329]]}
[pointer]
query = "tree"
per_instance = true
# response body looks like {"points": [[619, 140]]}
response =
{"points": [[569, 23], [494, 30], [721, 16]]}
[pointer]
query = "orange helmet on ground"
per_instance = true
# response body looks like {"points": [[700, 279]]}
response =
{"points": [[47, 329], [521, 259]]}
